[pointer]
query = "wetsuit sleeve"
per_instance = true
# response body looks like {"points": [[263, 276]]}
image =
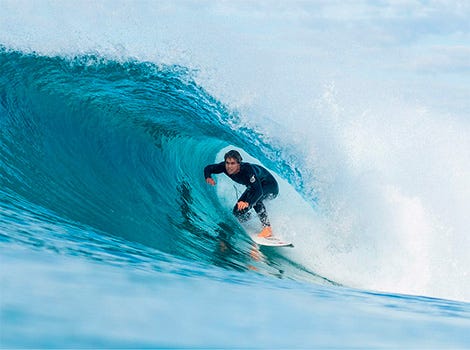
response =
{"points": [[214, 169], [255, 188]]}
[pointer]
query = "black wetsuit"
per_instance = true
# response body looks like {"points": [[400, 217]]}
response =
{"points": [[260, 185]]}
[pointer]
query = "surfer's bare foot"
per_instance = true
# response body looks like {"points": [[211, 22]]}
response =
{"points": [[266, 232]]}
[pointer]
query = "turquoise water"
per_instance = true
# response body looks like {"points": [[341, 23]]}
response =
{"points": [[110, 237]]}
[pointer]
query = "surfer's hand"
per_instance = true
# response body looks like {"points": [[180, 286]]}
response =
{"points": [[210, 181], [242, 205]]}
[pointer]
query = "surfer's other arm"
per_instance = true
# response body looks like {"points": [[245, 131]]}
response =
{"points": [[213, 169]]}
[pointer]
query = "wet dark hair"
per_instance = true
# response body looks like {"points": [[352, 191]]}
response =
{"points": [[233, 154]]}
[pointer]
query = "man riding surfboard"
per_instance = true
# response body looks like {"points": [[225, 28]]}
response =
{"points": [[260, 185]]}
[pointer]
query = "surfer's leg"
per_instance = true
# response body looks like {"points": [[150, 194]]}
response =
{"points": [[242, 215], [262, 214], [270, 191], [263, 217]]}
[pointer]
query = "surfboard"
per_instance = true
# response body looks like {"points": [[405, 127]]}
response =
{"points": [[272, 241]]}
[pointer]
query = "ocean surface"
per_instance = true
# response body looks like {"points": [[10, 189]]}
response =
{"points": [[109, 235]]}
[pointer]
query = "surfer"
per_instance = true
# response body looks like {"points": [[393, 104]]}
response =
{"points": [[260, 185]]}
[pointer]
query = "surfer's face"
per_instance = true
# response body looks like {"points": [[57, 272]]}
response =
{"points": [[232, 166]]}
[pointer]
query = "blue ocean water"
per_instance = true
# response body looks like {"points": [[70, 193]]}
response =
{"points": [[110, 237]]}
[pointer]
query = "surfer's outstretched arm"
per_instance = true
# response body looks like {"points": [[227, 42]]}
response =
{"points": [[213, 169]]}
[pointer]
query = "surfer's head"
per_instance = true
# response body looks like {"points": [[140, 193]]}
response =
{"points": [[232, 162], [233, 154]]}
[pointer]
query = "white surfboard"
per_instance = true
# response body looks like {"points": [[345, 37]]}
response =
{"points": [[272, 241]]}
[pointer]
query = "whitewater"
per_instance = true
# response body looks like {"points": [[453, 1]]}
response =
{"points": [[109, 235]]}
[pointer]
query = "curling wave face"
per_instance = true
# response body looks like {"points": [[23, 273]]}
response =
{"points": [[119, 147]]}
